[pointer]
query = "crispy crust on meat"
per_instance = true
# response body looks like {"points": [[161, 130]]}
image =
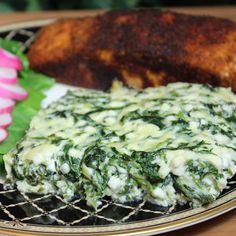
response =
{"points": [[140, 47]]}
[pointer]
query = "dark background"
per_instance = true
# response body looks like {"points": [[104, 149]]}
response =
{"points": [[38, 5]]}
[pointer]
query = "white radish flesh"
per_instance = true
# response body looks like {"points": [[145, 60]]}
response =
{"points": [[12, 91], [8, 75], [3, 135], [6, 105], [5, 120], [9, 60]]}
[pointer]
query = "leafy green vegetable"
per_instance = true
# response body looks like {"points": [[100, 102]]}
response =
{"points": [[95, 158], [73, 163], [198, 191], [152, 117], [31, 80], [35, 84], [202, 168], [195, 194], [95, 182], [147, 162]]}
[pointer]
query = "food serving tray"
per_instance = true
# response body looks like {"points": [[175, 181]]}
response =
{"points": [[22, 214]]}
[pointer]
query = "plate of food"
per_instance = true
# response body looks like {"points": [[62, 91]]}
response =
{"points": [[117, 124]]}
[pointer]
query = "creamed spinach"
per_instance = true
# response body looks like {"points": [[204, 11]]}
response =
{"points": [[168, 145]]}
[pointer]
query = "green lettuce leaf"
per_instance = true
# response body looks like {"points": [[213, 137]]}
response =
{"points": [[35, 84]]}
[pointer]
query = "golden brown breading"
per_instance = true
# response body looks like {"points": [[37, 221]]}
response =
{"points": [[140, 47]]}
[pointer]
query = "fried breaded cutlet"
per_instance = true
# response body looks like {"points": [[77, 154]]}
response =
{"points": [[142, 48]]}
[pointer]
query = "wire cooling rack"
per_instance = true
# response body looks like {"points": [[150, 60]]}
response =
{"points": [[49, 209]]}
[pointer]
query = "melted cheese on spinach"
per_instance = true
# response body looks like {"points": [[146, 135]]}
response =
{"points": [[168, 145]]}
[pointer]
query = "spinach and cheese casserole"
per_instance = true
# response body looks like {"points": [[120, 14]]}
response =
{"points": [[167, 145]]}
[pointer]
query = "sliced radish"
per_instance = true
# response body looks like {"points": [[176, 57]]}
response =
{"points": [[3, 134], [13, 91], [6, 105], [8, 75], [5, 120], [9, 60]]}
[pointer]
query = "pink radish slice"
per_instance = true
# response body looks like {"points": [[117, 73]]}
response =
{"points": [[6, 105], [5, 120], [8, 75], [13, 91], [9, 60], [3, 134]]}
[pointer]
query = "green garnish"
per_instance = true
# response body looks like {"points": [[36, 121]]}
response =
{"points": [[35, 84]]}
